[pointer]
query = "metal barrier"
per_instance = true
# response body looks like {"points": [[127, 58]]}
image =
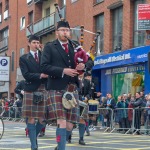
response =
{"points": [[127, 120], [12, 113]]}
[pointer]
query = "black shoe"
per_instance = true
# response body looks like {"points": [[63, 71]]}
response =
{"points": [[81, 142], [35, 149], [88, 134], [41, 134], [69, 141], [56, 148]]}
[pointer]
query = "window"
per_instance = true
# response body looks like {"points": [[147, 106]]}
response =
{"points": [[6, 4], [117, 29], [47, 11], [72, 1], [100, 27], [29, 2], [30, 17], [138, 36], [21, 51], [22, 23], [0, 12], [4, 34], [98, 1], [76, 34], [12, 61]]}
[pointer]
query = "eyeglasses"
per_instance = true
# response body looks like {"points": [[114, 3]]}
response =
{"points": [[64, 30]]}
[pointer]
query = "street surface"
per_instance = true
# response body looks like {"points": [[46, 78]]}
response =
{"points": [[14, 139]]}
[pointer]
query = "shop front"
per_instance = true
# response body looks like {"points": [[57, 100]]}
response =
{"points": [[123, 72]]}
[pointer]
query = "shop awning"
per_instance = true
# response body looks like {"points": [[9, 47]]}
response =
{"points": [[131, 56]]}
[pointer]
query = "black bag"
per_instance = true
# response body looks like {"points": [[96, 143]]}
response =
{"points": [[38, 97]]}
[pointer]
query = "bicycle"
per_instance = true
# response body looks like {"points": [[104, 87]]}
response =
{"points": [[1, 127]]}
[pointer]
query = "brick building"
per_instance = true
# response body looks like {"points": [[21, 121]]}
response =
{"points": [[116, 19], [15, 16]]}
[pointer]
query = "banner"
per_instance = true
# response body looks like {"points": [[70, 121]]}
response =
{"points": [[4, 68]]}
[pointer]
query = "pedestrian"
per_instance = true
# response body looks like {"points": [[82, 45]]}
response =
{"points": [[34, 100], [58, 62]]}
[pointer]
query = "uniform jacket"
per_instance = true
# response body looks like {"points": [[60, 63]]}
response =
{"points": [[31, 72], [54, 60]]}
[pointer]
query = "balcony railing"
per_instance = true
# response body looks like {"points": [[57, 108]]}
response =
{"points": [[4, 44], [43, 26]]}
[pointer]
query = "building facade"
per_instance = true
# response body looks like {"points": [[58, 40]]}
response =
{"points": [[121, 62], [18, 20]]}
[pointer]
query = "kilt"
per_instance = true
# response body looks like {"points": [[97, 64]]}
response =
{"points": [[56, 109], [31, 110]]}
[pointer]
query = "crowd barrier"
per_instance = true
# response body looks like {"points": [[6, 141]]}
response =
{"points": [[125, 120], [12, 113]]}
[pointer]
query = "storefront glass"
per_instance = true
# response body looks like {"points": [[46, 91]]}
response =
{"points": [[127, 82]]}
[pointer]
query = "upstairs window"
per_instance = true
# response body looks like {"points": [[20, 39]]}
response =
{"points": [[117, 29], [22, 23]]}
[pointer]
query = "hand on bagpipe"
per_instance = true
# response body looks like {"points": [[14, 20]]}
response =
{"points": [[80, 54]]}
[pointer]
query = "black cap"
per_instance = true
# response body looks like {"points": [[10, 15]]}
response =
{"points": [[33, 37], [63, 24]]}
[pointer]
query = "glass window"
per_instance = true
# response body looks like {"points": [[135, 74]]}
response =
{"points": [[30, 17], [72, 1], [21, 51], [117, 29], [22, 23], [47, 11], [139, 36], [130, 82], [76, 33], [98, 1], [100, 27]]}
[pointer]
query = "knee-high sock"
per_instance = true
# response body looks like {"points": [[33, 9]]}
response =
{"points": [[61, 138], [81, 131], [68, 133], [39, 127], [32, 135]]}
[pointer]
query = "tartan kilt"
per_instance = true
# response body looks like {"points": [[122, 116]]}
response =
{"points": [[30, 110], [56, 109]]}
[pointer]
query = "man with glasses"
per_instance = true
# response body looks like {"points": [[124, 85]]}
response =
{"points": [[58, 62]]}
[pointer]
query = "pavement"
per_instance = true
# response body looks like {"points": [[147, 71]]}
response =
{"points": [[14, 139]]}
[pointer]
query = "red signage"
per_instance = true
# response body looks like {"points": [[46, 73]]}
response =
{"points": [[143, 17]]}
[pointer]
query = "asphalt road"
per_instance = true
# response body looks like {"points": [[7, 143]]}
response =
{"points": [[14, 139]]}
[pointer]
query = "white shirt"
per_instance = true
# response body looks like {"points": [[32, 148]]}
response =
{"points": [[32, 52], [62, 43]]}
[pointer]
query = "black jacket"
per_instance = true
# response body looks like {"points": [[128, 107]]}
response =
{"points": [[54, 60], [31, 71]]}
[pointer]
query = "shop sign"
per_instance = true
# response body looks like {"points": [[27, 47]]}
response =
{"points": [[131, 56], [126, 69]]}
